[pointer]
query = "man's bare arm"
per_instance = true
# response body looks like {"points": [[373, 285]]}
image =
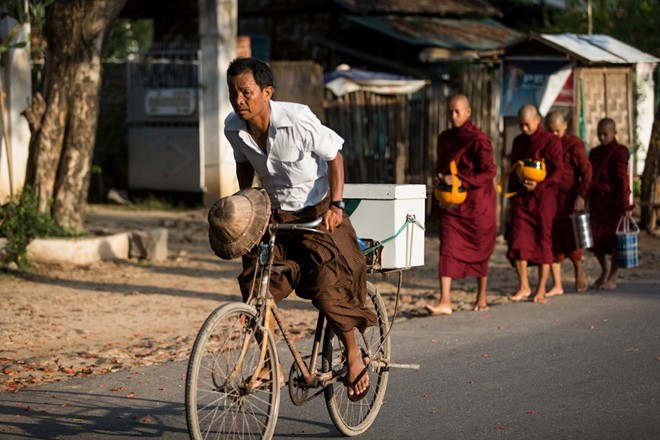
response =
{"points": [[245, 174], [333, 217], [336, 177]]}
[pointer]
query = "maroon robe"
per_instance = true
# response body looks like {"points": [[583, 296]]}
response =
{"points": [[529, 233], [575, 181], [609, 195], [468, 230]]}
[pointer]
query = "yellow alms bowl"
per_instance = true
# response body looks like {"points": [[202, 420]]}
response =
{"points": [[443, 194], [530, 169]]}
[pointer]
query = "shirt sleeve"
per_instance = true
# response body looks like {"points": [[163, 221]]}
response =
{"points": [[234, 141], [319, 140]]}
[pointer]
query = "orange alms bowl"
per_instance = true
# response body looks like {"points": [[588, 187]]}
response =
{"points": [[531, 169], [444, 194], [450, 195]]}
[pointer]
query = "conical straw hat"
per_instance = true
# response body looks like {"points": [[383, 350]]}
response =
{"points": [[237, 222]]}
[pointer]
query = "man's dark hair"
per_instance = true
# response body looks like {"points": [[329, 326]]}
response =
{"points": [[261, 72]]}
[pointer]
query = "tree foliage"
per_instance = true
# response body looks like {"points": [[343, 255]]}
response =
{"points": [[127, 37]]}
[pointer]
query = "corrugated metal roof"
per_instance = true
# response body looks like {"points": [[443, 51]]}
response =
{"points": [[453, 34], [434, 7], [599, 48]]}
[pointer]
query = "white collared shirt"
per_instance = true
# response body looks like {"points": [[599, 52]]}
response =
{"points": [[294, 169]]}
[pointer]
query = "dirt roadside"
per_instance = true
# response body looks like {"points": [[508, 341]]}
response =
{"points": [[58, 322]]}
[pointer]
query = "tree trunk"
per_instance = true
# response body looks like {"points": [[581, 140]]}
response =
{"points": [[62, 144], [650, 177]]}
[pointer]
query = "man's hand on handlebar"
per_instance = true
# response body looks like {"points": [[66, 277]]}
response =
{"points": [[333, 218]]}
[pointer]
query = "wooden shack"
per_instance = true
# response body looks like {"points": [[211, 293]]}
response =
{"points": [[593, 78]]}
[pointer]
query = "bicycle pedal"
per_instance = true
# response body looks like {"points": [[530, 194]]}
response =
{"points": [[405, 366]]}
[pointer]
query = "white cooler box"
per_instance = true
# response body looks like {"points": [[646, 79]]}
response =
{"points": [[378, 211]]}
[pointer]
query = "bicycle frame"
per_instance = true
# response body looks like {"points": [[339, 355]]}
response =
{"points": [[267, 308]]}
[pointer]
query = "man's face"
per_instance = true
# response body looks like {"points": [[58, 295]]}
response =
{"points": [[558, 128], [460, 112], [247, 99], [606, 133], [529, 123]]}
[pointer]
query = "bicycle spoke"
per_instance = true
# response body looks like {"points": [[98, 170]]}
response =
{"points": [[353, 418], [219, 400]]}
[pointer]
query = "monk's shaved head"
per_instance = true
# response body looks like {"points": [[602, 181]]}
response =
{"points": [[556, 123], [607, 122], [606, 131], [459, 100], [528, 111], [459, 110], [529, 119], [555, 117]]}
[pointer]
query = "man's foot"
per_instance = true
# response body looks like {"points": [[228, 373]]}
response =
{"points": [[440, 309], [520, 295], [555, 291], [357, 378], [479, 307]]}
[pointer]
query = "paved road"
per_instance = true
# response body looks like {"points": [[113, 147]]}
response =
{"points": [[582, 367]]}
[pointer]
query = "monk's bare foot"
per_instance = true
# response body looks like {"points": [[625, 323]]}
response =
{"points": [[599, 282], [440, 309], [357, 377], [581, 284], [609, 284], [521, 295], [555, 291], [478, 307], [540, 299]]}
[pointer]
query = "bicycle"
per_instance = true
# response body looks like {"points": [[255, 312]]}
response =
{"points": [[232, 381]]}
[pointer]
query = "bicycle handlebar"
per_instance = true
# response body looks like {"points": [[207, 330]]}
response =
{"points": [[309, 226]]}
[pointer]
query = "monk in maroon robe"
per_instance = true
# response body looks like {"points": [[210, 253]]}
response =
{"points": [[571, 196], [468, 230], [609, 199], [529, 233]]}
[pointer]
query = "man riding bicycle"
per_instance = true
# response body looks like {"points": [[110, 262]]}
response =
{"points": [[299, 164]]}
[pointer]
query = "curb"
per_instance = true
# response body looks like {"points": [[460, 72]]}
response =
{"points": [[149, 245], [80, 251]]}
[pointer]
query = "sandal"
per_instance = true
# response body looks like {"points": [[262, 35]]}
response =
{"points": [[355, 396]]}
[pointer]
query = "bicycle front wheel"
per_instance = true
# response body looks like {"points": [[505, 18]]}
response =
{"points": [[354, 418], [221, 400]]}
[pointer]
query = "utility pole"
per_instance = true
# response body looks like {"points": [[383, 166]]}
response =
{"points": [[590, 27], [218, 26]]}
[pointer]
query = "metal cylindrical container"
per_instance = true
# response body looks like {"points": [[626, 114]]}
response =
{"points": [[582, 230]]}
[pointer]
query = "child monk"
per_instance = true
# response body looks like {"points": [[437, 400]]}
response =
{"points": [[571, 195], [609, 199]]}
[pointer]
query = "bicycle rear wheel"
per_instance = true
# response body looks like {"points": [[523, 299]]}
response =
{"points": [[219, 401], [354, 418]]}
